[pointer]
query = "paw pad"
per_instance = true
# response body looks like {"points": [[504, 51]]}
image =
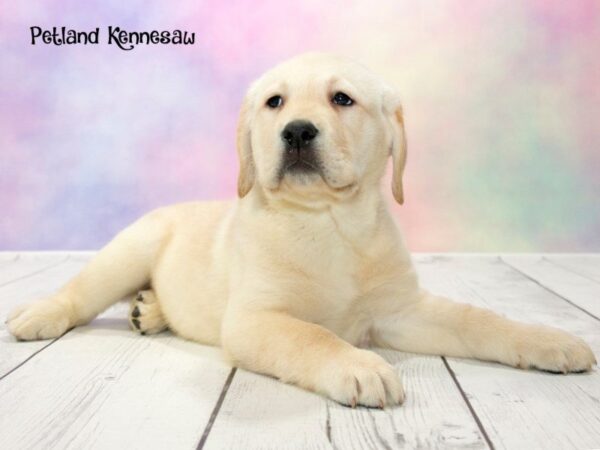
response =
{"points": [[136, 323], [145, 315]]}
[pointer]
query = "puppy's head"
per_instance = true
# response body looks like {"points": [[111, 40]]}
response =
{"points": [[319, 128]]}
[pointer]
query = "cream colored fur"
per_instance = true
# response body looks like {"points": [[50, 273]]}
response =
{"points": [[293, 275]]}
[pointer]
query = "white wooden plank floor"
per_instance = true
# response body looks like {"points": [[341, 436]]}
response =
{"points": [[102, 386]]}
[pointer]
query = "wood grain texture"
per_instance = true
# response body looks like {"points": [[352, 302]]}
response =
{"points": [[99, 386], [587, 265], [14, 266], [521, 409], [26, 279], [560, 275], [260, 412], [433, 415], [103, 386]]}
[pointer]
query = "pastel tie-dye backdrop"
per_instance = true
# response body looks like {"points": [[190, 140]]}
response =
{"points": [[502, 104]]}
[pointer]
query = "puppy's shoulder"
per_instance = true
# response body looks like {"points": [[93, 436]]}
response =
{"points": [[205, 212]]}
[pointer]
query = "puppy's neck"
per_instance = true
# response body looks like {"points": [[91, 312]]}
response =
{"points": [[355, 217]]}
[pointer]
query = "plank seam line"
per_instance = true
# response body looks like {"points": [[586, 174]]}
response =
{"points": [[51, 342], [43, 269], [529, 277], [567, 269], [22, 363], [328, 422], [468, 403], [216, 409]]}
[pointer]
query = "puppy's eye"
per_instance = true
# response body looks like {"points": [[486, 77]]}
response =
{"points": [[275, 102], [342, 99]]}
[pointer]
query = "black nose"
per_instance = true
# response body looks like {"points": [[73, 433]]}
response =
{"points": [[299, 134]]}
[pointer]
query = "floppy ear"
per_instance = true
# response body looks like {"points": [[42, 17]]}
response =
{"points": [[397, 149], [244, 149], [398, 154]]}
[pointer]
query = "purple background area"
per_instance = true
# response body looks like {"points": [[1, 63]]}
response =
{"points": [[502, 103]]}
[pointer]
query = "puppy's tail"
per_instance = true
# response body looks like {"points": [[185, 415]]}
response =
{"points": [[119, 269]]}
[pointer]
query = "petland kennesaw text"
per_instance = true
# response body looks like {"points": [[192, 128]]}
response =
{"points": [[125, 40]]}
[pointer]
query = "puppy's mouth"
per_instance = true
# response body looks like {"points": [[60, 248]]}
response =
{"points": [[299, 162], [303, 172], [306, 173], [300, 166]]}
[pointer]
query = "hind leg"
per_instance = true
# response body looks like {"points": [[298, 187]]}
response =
{"points": [[119, 269], [145, 315]]}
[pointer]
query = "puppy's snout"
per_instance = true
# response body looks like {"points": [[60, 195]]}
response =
{"points": [[299, 134]]}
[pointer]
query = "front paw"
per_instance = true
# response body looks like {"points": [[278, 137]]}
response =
{"points": [[44, 319], [553, 350], [361, 377]]}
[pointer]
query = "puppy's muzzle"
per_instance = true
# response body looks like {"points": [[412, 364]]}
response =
{"points": [[298, 137]]}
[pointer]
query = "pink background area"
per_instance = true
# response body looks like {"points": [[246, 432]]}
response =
{"points": [[502, 103]]}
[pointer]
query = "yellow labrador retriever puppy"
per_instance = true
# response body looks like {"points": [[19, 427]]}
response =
{"points": [[307, 262]]}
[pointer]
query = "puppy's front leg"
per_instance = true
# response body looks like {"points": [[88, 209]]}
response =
{"points": [[436, 325], [311, 357]]}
